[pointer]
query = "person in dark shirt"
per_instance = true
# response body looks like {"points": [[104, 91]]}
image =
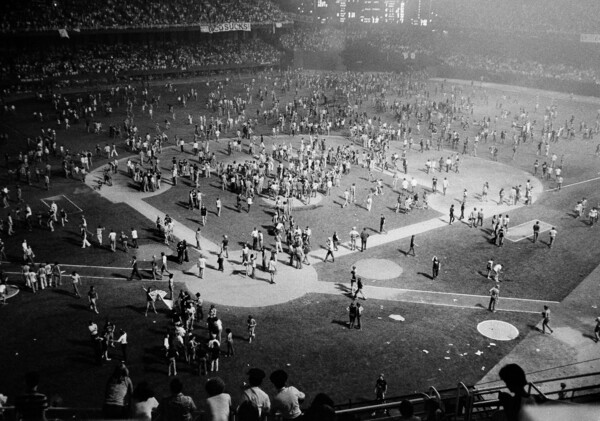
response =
{"points": [[32, 405]]}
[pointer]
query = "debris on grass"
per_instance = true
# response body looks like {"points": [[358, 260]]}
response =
{"points": [[425, 351], [446, 358], [492, 344], [479, 352], [397, 317]]}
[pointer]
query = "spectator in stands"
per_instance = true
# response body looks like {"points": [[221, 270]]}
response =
{"points": [[177, 407], [218, 403], [247, 411], [117, 398], [407, 411], [32, 405], [144, 402], [321, 409], [514, 377], [253, 393], [288, 399]]}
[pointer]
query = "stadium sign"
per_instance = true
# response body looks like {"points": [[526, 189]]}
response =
{"points": [[595, 38], [226, 27]]}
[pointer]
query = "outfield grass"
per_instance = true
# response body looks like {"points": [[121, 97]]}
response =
{"points": [[308, 337]]}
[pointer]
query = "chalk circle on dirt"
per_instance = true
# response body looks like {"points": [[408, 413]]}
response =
{"points": [[378, 269], [498, 330]]}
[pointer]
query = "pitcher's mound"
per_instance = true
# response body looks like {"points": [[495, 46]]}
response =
{"points": [[378, 269], [498, 330]]}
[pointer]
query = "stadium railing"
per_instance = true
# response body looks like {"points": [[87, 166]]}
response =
{"points": [[462, 403]]}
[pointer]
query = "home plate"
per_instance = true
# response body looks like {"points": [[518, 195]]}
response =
{"points": [[498, 330], [397, 317]]}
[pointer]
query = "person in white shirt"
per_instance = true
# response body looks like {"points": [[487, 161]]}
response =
{"points": [[254, 395], [134, 238], [288, 399]]}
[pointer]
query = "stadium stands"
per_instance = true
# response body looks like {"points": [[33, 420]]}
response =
{"points": [[19, 16]]}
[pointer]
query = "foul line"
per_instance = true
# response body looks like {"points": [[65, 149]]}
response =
{"points": [[474, 307], [80, 266], [575, 184], [80, 210], [96, 277], [463, 295]]}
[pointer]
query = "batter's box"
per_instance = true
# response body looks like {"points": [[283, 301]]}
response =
{"points": [[525, 230], [63, 202]]}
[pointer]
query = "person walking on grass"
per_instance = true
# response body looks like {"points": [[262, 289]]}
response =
{"points": [[93, 299], [536, 231], [76, 281], [435, 267], [412, 246], [171, 286], [552, 234], [352, 315], [214, 348], [134, 269], [229, 341], [546, 320], [597, 330], [251, 328], [272, 269], [380, 391], [163, 267], [201, 266], [494, 296], [359, 289], [359, 312], [150, 300], [198, 237], [329, 251]]}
